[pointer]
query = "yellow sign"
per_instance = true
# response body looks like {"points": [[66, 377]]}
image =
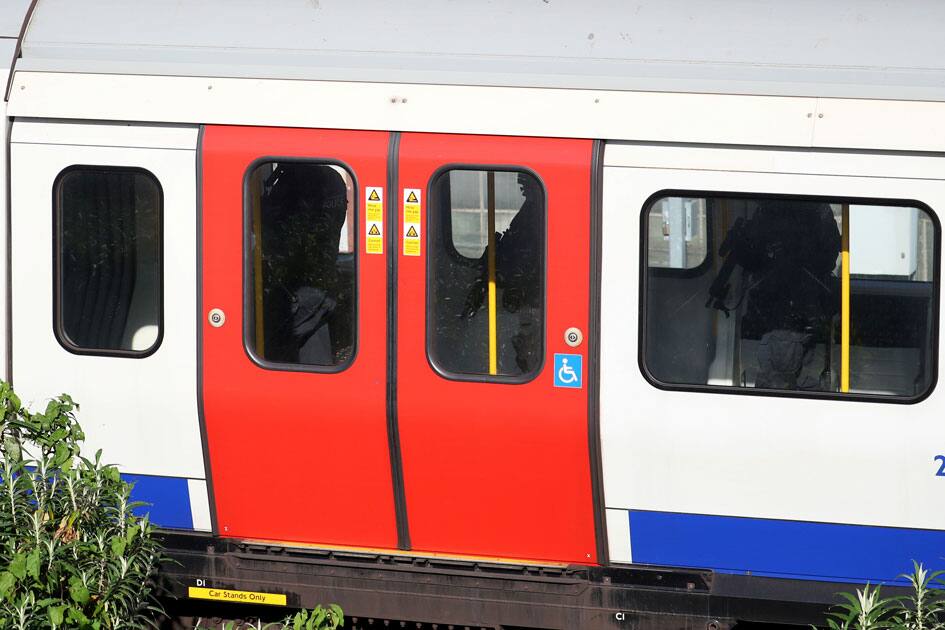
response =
{"points": [[242, 597], [411, 221], [374, 225]]}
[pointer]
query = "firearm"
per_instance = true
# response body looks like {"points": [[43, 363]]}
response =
{"points": [[718, 292]]}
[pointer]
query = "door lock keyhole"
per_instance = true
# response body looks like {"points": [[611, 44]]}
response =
{"points": [[216, 317]]}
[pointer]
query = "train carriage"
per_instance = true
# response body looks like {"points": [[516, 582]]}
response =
{"points": [[541, 315]]}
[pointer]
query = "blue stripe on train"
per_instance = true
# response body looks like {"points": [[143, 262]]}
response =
{"points": [[168, 499], [798, 549]]}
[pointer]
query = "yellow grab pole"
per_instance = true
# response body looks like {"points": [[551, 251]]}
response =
{"points": [[490, 254], [845, 299], [255, 185]]}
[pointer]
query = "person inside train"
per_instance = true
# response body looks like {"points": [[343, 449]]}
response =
{"points": [[519, 268], [788, 252], [303, 212]]}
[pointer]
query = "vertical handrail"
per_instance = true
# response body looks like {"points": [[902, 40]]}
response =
{"points": [[845, 299], [255, 184], [490, 255]]}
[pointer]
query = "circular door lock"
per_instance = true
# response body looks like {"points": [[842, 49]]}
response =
{"points": [[217, 318], [573, 337]]}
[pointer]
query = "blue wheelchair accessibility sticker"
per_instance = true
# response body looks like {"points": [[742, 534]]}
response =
{"points": [[569, 370]]}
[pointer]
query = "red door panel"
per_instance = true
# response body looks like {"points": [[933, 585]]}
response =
{"points": [[499, 469], [295, 456]]}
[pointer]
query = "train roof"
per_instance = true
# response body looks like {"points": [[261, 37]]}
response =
{"points": [[12, 14], [841, 48]]}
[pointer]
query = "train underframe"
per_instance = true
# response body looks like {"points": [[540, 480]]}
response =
{"points": [[378, 590]]}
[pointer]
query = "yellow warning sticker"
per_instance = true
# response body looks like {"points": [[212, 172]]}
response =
{"points": [[374, 220], [411, 221], [243, 597]]}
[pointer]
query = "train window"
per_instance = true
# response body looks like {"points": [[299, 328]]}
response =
{"points": [[300, 265], [485, 304], [677, 237], [108, 261], [808, 295]]}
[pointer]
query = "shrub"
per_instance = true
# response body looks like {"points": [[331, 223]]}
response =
{"points": [[72, 554], [923, 609], [320, 618]]}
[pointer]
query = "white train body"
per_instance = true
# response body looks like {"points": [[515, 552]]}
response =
{"points": [[715, 106]]}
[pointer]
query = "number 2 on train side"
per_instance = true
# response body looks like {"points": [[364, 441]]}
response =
{"points": [[941, 465]]}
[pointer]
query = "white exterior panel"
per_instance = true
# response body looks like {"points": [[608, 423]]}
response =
{"points": [[750, 455], [618, 535], [199, 504], [445, 109], [612, 115], [27, 131], [141, 411]]}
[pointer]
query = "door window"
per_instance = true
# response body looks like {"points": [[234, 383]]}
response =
{"points": [[300, 265], [487, 273]]}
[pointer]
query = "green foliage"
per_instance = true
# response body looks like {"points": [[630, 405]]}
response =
{"points": [[72, 554], [923, 609], [320, 618], [863, 611]]}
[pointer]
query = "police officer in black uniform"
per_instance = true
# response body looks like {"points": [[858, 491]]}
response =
{"points": [[518, 262], [303, 211], [788, 251]]}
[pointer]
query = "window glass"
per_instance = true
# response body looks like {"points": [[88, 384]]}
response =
{"points": [[766, 311], [301, 264], [486, 302], [677, 235], [109, 260]]}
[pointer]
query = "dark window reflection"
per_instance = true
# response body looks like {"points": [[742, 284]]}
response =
{"points": [[302, 264], [109, 258], [764, 309], [467, 206]]}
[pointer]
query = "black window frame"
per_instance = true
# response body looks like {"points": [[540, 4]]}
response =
{"points": [[779, 393], [247, 271], [434, 227], [57, 203]]}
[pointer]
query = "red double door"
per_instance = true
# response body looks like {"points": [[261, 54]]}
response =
{"points": [[387, 452]]}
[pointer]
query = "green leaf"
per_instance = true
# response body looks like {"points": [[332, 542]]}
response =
{"points": [[7, 582], [52, 409], [56, 615], [337, 615], [33, 563], [76, 616], [18, 566], [111, 474], [12, 450], [62, 453], [78, 592]]}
